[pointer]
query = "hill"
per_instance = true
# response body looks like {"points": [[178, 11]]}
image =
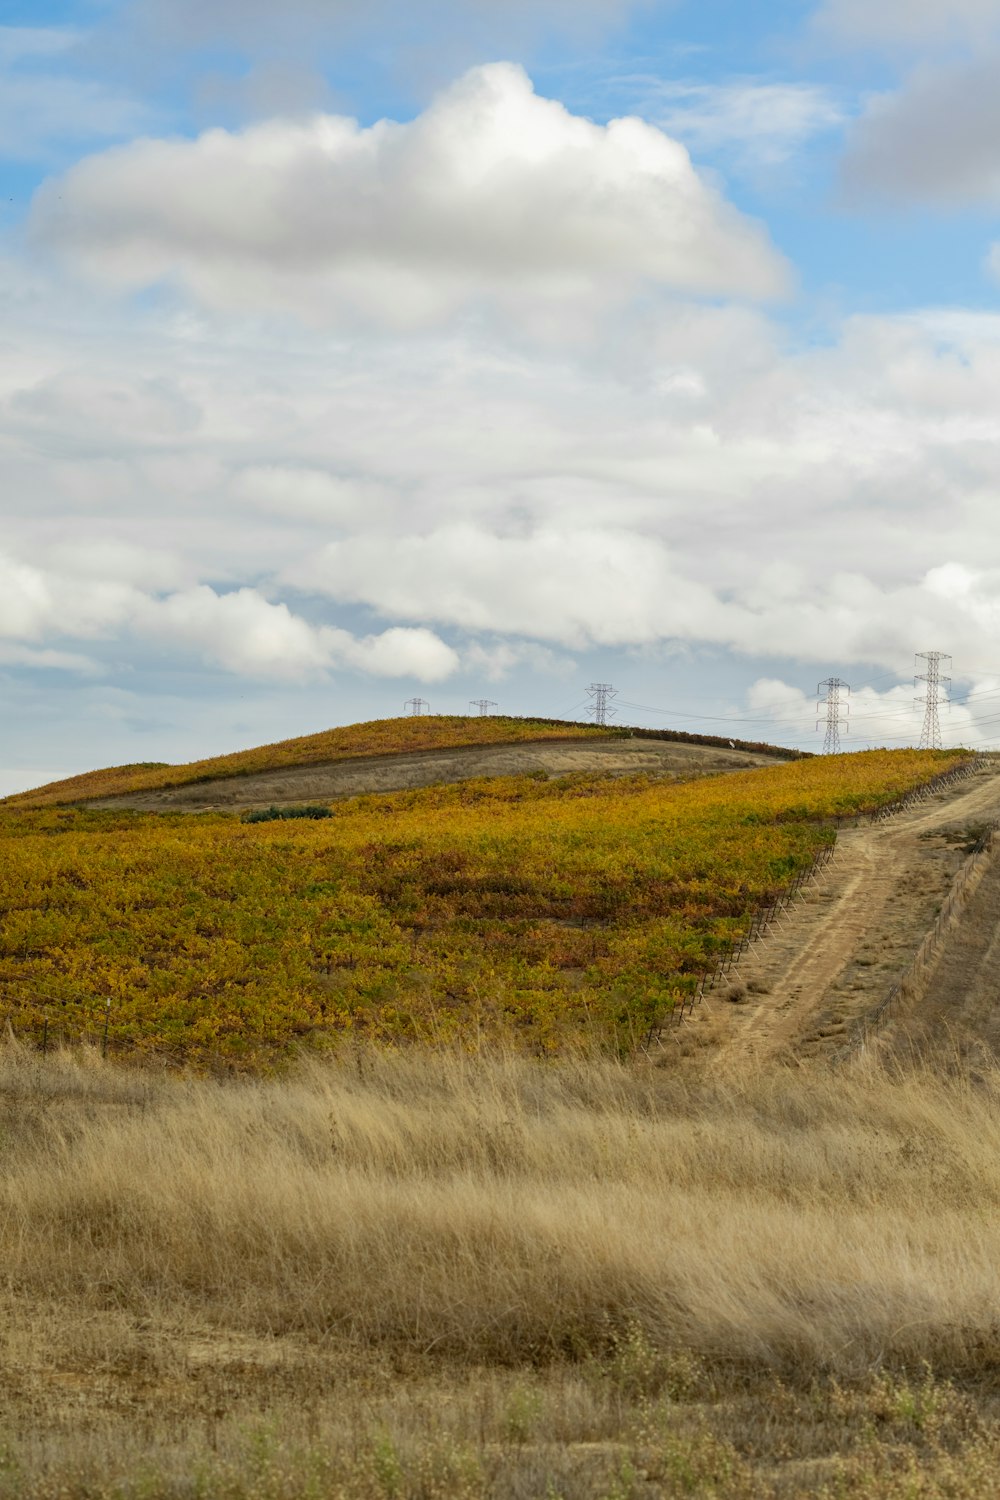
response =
{"points": [[547, 910], [351, 741], [374, 744]]}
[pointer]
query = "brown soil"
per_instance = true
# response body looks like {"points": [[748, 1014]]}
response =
{"points": [[833, 956], [955, 1016], [394, 773]]}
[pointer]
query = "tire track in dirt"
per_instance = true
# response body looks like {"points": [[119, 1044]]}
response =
{"points": [[954, 1015], [839, 948]]}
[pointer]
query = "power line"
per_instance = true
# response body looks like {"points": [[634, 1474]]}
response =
{"points": [[416, 706], [483, 704], [930, 734], [835, 708], [601, 693], [674, 713]]}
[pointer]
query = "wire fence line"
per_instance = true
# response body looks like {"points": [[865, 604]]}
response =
{"points": [[768, 915], [762, 920], [56, 1030]]}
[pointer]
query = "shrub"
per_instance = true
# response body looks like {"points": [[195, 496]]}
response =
{"points": [[269, 814]]}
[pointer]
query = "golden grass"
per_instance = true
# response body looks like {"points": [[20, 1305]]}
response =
{"points": [[418, 1274], [376, 737], [498, 1208]]}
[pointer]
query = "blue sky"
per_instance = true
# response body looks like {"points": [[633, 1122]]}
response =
{"points": [[487, 348]]}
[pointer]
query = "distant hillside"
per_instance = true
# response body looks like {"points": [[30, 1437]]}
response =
{"points": [[352, 741], [376, 737]]}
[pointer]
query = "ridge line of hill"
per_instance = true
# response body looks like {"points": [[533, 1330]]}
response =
{"points": [[376, 740]]}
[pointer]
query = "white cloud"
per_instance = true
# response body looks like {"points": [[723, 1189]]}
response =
{"points": [[571, 585], [581, 588], [150, 569], [76, 404], [757, 122], [908, 22], [397, 652], [493, 193], [290, 490], [687, 478], [240, 631]]}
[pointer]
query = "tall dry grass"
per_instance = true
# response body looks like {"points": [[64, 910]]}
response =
{"points": [[499, 1209]]}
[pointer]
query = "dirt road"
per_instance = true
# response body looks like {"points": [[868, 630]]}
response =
{"points": [[956, 1016], [835, 954], [393, 773]]}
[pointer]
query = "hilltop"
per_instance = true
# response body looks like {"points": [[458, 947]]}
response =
{"points": [[377, 737], [393, 754]]}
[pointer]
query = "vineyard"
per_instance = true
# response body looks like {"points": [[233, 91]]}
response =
{"points": [[544, 909]]}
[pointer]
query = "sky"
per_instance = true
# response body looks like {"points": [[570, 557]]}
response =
{"points": [[489, 349]]}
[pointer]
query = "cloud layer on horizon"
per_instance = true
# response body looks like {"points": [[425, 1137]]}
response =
{"points": [[239, 631], [694, 481]]}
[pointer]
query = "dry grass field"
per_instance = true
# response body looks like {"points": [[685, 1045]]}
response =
{"points": [[418, 1274]]}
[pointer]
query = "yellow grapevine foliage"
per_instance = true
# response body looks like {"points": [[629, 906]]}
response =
{"points": [[524, 905], [378, 737]]}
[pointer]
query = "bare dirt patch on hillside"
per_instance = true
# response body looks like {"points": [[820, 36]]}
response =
{"points": [[395, 773], [832, 958], [955, 1016]]}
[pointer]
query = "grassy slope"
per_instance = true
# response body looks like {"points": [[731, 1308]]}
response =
{"points": [[377, 737], [542, 909], [434, 1276], [350, 741]]}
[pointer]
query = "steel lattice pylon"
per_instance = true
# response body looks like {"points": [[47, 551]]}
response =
{"points": [[602, 693], [835, 707], [930, 733]]}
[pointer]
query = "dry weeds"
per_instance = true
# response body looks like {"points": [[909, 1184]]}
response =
{"points": [[417, 1275]]}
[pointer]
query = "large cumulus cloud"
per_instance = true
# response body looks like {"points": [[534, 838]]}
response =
{"points": [[493, 193]]}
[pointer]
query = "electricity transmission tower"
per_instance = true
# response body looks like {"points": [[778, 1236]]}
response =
{"points": [[483, 704], [936, 693], [602, 693], [416, 706], [835, 708]]}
